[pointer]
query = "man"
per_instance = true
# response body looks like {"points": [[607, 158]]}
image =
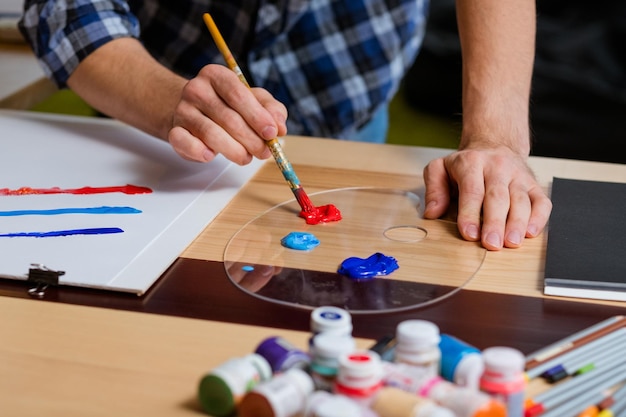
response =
{"points": [[331, 65]]}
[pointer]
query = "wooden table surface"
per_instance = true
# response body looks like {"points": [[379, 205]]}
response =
{"points": [[88, 353]]}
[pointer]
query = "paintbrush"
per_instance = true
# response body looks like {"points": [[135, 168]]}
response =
{"points": [[274, 145]]}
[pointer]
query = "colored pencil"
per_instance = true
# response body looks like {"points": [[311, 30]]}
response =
{"points": [[575, 340], [587, 392], [579, 404], [613, 351], [619, 406], [274, 145], [580, 347], [571, 386]]}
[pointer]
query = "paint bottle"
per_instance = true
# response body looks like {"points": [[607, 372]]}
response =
{"points": [[282, 355], [394, 402], [404, 376], [417, 344], [462, 401], [221, 389], [461, 363], [325, 404], [284, 395], [504, 377], [331, 319], [359, 376], [325, 352]]}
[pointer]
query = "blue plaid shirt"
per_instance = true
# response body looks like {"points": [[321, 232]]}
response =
{"points": [[333, 63]]}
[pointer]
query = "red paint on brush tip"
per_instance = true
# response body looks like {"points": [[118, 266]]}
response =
{"points": [[322, 214], [304, 200], [315, 215]]}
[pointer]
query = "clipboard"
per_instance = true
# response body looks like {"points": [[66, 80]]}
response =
{"points": [[40, 150]]}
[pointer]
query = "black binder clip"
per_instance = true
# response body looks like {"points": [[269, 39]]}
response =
{"points": [[43, 277]]}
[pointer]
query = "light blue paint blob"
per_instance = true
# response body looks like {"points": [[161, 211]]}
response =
{"points": [[57, 233], [72, 210], [247, 268], [300, 241], [376, 265]]}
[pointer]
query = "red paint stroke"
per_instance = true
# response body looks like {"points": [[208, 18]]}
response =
{"points": [[126, 189], [322, 214]]}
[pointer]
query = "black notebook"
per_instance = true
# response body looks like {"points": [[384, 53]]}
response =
{"points": [[586, 254]]}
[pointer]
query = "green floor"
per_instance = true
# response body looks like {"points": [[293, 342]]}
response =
{"points": [[406, 125], [65, 102]]}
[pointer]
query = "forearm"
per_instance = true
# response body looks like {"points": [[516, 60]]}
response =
{"points": [[122, 80], [498, 45]]}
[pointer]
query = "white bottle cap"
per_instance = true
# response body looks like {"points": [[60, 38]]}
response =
{"points": [[418, 334], [418, 344], [360, 369], [503, 363], [331, 346], [330, 318]]}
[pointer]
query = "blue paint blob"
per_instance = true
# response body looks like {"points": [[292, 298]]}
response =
{"points": [[376, 265], [57, 233], [247, 268], [72, 210], [300, 241]]}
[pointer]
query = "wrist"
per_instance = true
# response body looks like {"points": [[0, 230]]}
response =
{"points": [[504, 124], [518, 143]]}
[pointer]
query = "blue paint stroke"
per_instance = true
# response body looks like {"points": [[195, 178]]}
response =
{"points": [[57, 233], [72, 210], [247, 268], [300, 241], [376, 265]]}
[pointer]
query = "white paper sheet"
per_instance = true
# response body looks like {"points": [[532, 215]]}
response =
{"points": [[44, 151]]}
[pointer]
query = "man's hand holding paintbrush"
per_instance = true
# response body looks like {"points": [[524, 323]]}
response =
{"points": [[312, 214], [217, 114]]}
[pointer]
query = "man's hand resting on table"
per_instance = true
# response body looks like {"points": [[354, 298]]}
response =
{"points": [[499, 200]]}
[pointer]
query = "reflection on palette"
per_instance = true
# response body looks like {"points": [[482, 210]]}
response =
{"points": [[433, 260]]}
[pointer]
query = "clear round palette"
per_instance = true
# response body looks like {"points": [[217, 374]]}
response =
{"points": [[434, 261]]}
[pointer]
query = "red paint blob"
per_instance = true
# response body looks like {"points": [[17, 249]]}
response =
{"points": [[315, 215], [322, 214], [126, 189]]}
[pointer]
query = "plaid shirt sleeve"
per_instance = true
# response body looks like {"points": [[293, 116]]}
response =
{"points": [[334, 63], [63, 32]]}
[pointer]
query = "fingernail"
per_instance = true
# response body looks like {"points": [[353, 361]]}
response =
{"points": [[514, 237], [208, 155], [532, 230], [493, 239], [431, 205], [472, 231], [269, 132], [266, 270]]}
